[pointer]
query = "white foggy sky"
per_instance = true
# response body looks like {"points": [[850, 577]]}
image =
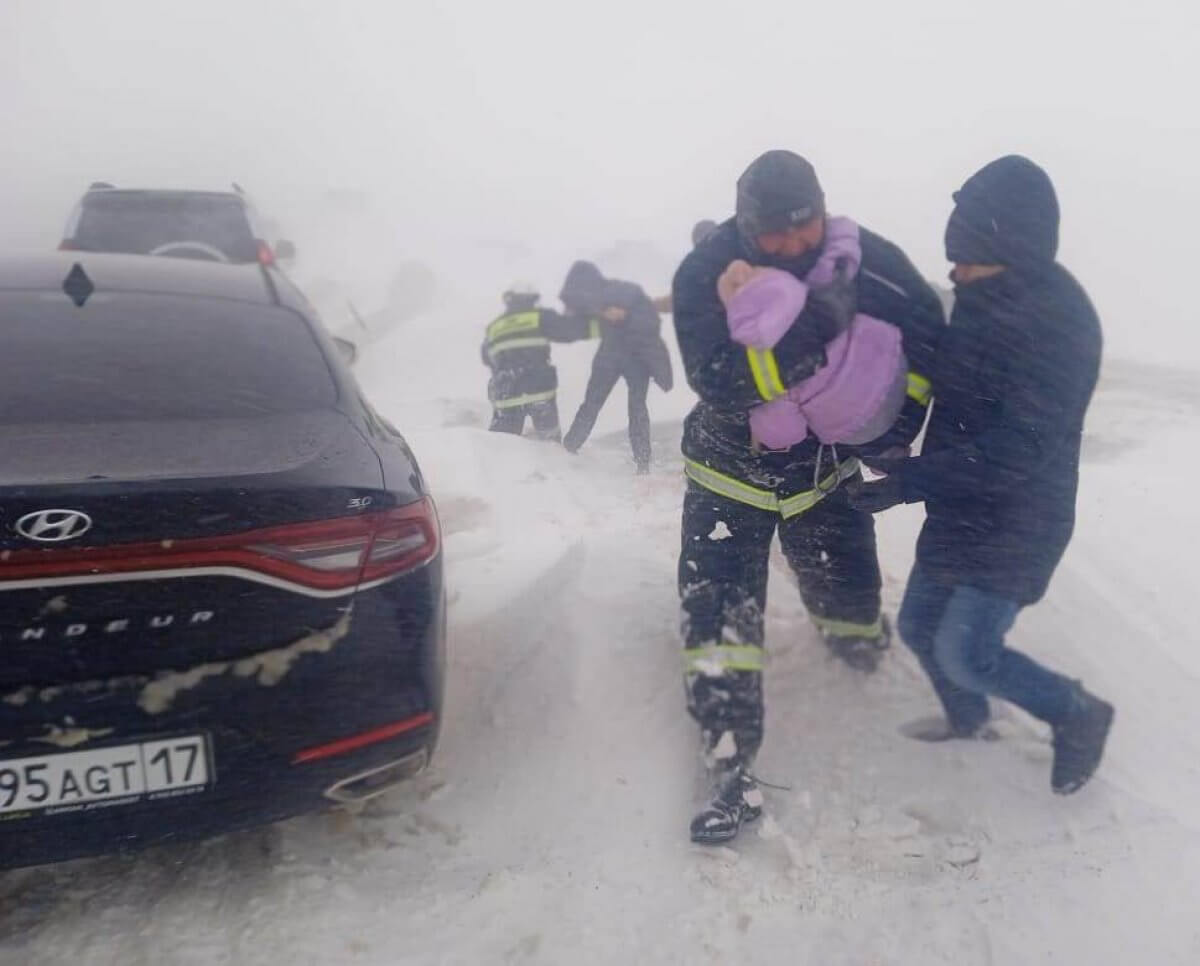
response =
{"points": [[571, 125]]}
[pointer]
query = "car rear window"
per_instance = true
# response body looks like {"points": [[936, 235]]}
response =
{"points": [[137, 224], [154, 357]]}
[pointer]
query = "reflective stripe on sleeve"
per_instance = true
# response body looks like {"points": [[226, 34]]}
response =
{"points": [[773, 379], [920, 389], [765, 371]]}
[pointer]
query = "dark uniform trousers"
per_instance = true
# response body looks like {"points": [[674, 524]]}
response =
{"points": [[544, 416], [723, 570]]}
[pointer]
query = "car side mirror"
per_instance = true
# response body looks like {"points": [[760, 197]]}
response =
{"points": [[346, 349], [285, 250]]}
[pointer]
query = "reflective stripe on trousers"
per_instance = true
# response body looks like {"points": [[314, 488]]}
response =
{"points": [[713, 660], [836, 628], [525, 400], [734, 489]]}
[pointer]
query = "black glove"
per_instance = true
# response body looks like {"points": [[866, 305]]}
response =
{"points": [[875, 496]]}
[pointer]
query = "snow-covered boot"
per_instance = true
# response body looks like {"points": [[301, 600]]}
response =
{"points": [[737, 799], [1079, 743]]}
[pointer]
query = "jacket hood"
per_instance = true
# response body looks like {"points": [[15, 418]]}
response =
{"points": [[1005, 214], [583, 288]]}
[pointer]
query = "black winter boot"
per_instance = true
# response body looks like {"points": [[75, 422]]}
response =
{"points": [[1079, 743], [737, 800]]}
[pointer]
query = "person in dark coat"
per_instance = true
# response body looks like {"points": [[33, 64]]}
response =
{"points": [[631, 348], [1000, 466], [516, 347], [739, 495]]}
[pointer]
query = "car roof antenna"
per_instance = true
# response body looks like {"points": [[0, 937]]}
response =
{"points": [[77, 285]]}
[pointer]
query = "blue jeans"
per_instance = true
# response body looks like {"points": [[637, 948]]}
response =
{"points": [[957, 632]]}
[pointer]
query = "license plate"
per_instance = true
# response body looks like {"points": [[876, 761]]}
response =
{"points": [[101, 777]]}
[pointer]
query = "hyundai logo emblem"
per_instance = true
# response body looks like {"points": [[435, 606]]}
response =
{"points": [[54, 526]]}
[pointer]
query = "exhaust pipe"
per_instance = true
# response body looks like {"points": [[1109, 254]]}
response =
{"points": [[360, 788]]}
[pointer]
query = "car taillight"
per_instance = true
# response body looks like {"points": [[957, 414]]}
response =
{"points": [[371, 548], [322, 555], [266, 256], [66, 245]]}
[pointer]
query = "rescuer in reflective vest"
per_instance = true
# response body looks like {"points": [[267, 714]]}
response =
{"points": [[517, 350], [741, 494]]}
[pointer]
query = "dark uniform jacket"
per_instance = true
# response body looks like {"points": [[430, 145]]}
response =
{"points": [[517, 350], [717, 431]]}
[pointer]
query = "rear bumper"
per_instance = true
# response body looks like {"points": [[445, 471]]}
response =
{"points": [[368, 706], [251, 789]]}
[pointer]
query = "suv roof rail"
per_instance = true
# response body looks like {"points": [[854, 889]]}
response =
{"points": [[97, 185]]}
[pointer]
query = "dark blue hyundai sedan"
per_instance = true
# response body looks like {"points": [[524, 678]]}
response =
{"points": [[221, 596]]}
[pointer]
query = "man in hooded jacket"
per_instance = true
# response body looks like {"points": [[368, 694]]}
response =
{"points": [[999, 468], [740, 495], [631, 348]]}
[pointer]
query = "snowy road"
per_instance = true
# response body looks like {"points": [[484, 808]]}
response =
{"points": [[552, 828]]}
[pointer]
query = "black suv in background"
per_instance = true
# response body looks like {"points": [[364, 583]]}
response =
{"points": [[219, 226], [214, 226], [220, 574]]}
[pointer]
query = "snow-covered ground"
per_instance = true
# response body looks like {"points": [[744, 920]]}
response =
{"points": [[552, 826]]}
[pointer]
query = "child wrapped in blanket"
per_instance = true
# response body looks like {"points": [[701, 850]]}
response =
{"points": [[859, 392]]}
